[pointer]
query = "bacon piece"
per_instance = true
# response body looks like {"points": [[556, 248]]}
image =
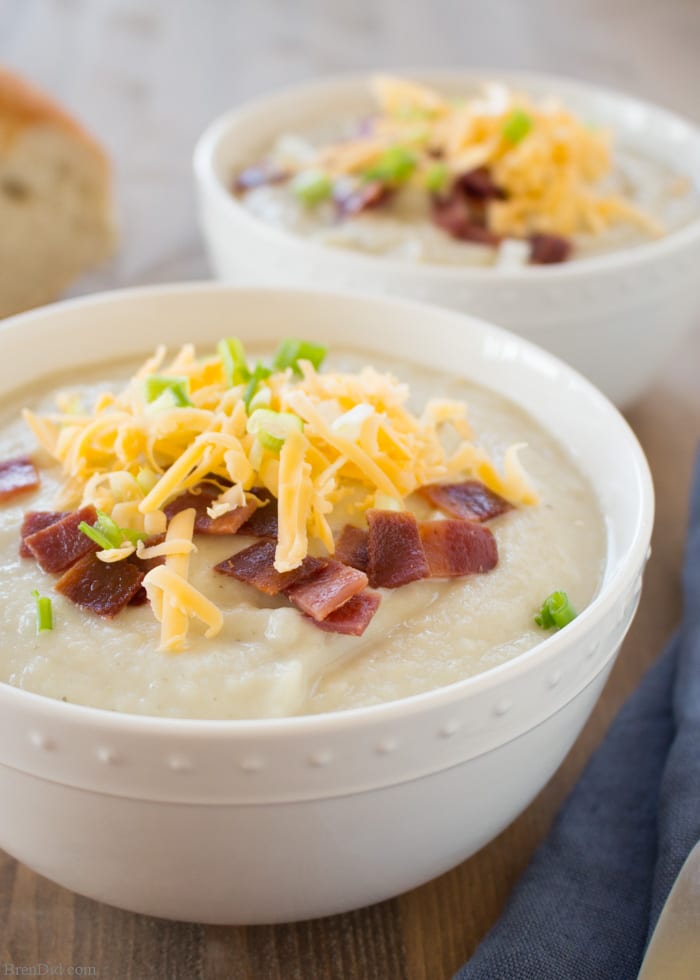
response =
{"points": [[479, 184], [37, 520], [363, 198], [140, 597], [255, 565], [455, 216], [470, 500], [17, 476], [258, 175], [60, 545], [263, 521], [327, 590], [396, 555], [353, 617], [102, 588], [351, 547], [455, 548], [202, 497], [549, 249]]}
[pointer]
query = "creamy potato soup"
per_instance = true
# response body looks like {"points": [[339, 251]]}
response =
{"points": [[266, 655], [493, 179]]}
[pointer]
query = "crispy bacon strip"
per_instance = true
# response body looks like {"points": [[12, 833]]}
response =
{"points": [[140, 597], [61, 544], [457, 548], [104, 589], [17, 476], [470, 500], [460, 220], [327, 590], [37, 520], [200, 498], [479, 184], [262, 523], [394, 548], [255, 565], [351, 547], [549, 249], [353, 617]]}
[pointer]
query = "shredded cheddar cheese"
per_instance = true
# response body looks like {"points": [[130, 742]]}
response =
{"points": [[332, 438], [551, 165]]}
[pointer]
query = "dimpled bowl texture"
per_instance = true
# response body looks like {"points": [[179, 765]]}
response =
{"points": [[615, 317], [276, 820]]}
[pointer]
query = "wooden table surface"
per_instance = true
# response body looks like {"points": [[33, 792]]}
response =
{"points": [[146, 77]]}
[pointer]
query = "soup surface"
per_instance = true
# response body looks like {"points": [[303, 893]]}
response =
{"points": [[492, 178], [267, 660]]}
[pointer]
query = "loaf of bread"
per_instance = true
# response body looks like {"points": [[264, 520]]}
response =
{"points": [[55, 199]]}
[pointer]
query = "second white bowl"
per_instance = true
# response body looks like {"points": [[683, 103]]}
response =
{"points": [[615, 317]]}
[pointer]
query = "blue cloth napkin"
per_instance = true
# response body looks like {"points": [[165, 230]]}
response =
{"points": [[588, 903]]}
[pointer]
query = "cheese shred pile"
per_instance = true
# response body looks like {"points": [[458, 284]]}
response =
{"points": [[315, 440], [551, 165]]}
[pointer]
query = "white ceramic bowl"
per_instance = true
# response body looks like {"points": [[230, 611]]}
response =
{"points": [[265, 821], [616, 317]]}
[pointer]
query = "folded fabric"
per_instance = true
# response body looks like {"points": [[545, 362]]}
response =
{"points": [[588, 903]]}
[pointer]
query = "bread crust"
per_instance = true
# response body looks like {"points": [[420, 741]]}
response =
{"points": [[22, 105]]}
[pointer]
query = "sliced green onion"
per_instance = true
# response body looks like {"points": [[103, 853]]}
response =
{"points": [[44, 612], [272, 428], [556, 611], [261, 399], [394, 166], [109, 528], [232, 354], [291, 351], [517, 126], [133, 537], [108, 534], [260, 372], [146, 479], [157, 385], [180, 392], [94, 535], [436, 177], [312, 187]]}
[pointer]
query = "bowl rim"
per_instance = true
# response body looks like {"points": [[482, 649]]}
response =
{"points": [[649, 251], [630, 564]]}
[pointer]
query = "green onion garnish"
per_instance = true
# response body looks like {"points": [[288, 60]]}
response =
{"points": [[394, 166], [44, 612], [109, 528], [556, 611], [517, 126], [133, 537], [291, 351], [178, 387], [146, 479], [261, 399], [272, 428], [312, 187], [436, 177], [95, 535], [108, 534], [259, 373], [232, 354]]}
